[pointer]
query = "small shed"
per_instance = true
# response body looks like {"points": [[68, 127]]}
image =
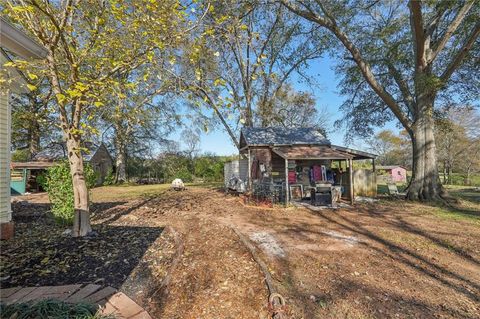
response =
{"points": [[293, 161], [97, 156], [396, 173], [23, 174]]}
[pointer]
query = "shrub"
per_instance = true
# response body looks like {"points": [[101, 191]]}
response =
{"points": [[60, 190], [109, 178]]}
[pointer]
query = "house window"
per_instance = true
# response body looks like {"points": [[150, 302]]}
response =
{"points": [[399, 173]]}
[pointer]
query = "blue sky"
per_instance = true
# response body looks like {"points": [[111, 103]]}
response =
{"points": [[327, 96]]}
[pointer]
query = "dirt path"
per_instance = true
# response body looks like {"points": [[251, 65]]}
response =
{"points": [[214, 275]]}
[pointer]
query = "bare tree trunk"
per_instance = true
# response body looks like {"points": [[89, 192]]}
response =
{"points": [[121, 164], [34, 139], [444, 172], [81, 220], [425, 180]]}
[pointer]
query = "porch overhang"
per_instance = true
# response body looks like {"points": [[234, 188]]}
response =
{"points": [[311, 153]]}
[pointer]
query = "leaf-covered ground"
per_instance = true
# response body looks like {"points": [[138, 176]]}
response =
{"points": [[387, 259]]}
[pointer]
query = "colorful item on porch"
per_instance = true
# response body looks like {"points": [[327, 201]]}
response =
{"points": [[324, 173], [317, 173], [292, 177]]}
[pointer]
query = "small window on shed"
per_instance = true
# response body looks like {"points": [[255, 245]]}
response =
{"points": [[399, 173]]}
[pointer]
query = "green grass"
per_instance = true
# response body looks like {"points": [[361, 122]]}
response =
{"points": [[383, 188], [457, 214], [50, 309], [134, 191]]}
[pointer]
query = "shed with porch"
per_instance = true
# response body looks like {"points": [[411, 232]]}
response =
{"points": [[291, 162]]}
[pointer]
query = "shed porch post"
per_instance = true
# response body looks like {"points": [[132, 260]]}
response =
{"points": [[287, 193], [374, 175], [350, 164], [249, 171]]}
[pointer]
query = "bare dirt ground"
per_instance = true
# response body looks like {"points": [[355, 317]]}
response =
{"points": [[389, 259]]}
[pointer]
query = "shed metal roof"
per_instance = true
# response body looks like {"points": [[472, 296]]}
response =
{"points": [[270, 136], [311, 153]]}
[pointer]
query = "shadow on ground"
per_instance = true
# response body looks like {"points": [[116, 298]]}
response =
{"points": [[41, 254]]}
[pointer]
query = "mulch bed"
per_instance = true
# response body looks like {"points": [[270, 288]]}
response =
{"points": [[42, 254]]}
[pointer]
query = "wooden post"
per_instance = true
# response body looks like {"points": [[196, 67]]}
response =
{"points": [[350, 164], [249, 171], [374, 175], [287, 193]]}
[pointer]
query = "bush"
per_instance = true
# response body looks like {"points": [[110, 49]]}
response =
{"points": [[109, 178], [60, 190]]}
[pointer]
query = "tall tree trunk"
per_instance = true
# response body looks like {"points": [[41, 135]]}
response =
{"points": [[81, 220], [121, 165], [444, 172], [121, 136], [34, 139], [425, 180]]}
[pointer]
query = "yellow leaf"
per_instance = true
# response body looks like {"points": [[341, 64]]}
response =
{"points": [[32, 76], [31, 87], [61, 98], [9, 64], [98, 104]]}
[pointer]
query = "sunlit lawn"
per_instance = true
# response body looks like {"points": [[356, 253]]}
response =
{"points": [[133, 191]]}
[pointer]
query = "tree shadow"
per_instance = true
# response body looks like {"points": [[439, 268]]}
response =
{"points": [[407, 257], [41, 254]]}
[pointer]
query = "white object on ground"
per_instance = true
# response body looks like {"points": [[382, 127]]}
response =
{"points": [[349, 240], [268, 244], [178, 185], [365, 199]]}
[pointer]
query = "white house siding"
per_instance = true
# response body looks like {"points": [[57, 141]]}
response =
{"points": [[5, 210]]}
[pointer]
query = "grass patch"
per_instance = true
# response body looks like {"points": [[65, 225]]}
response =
{"points": [[457, 214], [134, 191], [383, 188], [50, 309]]}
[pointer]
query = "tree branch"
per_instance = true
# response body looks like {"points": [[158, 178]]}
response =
{"points": [[418, 32], [451, 29], [458, 59], [361, 63]]}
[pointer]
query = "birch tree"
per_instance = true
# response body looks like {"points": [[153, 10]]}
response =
{"points": [[400, 60]]}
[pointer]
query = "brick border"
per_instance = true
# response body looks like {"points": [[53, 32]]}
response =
{"points": [[109, 300]]}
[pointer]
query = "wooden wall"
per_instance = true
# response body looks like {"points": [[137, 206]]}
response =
{"points": [[102, 163], [364, 182]]}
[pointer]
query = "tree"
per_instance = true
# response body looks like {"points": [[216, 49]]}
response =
{"points": [[138, 118], [391, 149], [457, 132], [254, 49], [290, 108], [89, 44], [397, 62]]}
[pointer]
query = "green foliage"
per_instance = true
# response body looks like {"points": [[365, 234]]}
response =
{"points": [[209, 168], [20, 155], [109, 178], [60, 190], [50, 309]]}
